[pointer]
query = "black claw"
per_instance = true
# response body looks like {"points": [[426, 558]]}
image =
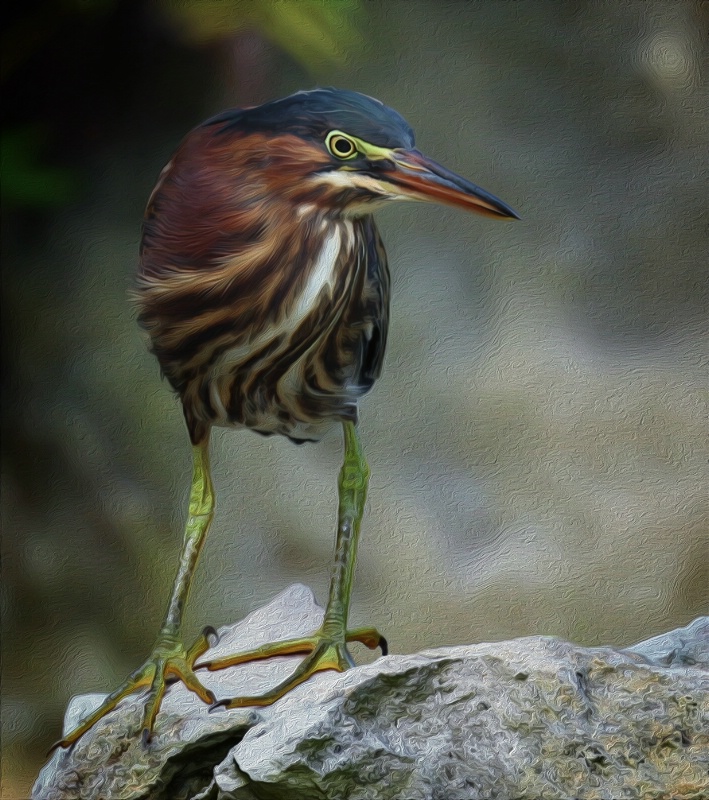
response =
{"points": [[57, 745], [384, 646], [218, 704], [146, 736], [211, 632]]}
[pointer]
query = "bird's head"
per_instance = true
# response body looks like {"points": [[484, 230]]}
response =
{"points": [[342, 152]]}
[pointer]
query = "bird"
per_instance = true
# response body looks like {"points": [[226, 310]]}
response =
{"points": [[264, 289]]}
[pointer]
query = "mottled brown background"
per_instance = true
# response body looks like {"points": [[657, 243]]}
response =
{"points": [[538, 441]]}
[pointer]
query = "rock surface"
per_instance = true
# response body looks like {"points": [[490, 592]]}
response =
{"points": [[535, 718]]}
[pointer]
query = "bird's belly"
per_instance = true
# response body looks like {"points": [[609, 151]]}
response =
{"points": [[286, 393], [309, 365]]}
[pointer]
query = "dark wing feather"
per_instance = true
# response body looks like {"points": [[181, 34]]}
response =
{"points": [[376, 307]]}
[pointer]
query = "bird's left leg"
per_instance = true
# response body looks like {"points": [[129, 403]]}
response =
{"points": [[170, 659], [327, 647]]}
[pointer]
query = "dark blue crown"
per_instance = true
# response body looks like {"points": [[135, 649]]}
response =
{"points": [[313, 114]]}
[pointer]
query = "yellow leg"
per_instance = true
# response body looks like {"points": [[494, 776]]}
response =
{"points": [[170, 659], [327, 647]]}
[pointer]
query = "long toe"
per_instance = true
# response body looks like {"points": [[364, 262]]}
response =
{"points": [[327, 654], [169, 662]]}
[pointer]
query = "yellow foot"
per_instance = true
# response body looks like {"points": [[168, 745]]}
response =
{"points": [[170, 661], [323, 650]]}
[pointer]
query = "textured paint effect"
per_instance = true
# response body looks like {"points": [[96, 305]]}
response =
{"points": [[217, 220], [538, 438], [237, 297], [531, 718], [233, 269]]}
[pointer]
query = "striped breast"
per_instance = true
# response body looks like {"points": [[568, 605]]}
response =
{"points": [[264, 310], [283, 337], [311, 366]]}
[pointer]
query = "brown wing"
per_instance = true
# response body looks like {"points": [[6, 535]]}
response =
{"points": [[220, 251]]}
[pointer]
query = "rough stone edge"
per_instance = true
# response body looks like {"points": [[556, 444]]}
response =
{"points": [[686, 646]]}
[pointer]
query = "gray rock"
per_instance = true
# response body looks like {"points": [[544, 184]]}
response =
{"points": [[535, 718]]}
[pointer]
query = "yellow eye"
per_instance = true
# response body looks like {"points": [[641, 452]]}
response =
{"points": [[341, 146]]}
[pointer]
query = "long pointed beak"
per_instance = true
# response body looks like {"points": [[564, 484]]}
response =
{"points": [[418, 177]]}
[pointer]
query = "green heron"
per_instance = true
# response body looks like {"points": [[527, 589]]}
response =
{"points": [[264, 288]]}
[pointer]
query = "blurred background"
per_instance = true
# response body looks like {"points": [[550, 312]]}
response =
{"points": [[538, 440]]}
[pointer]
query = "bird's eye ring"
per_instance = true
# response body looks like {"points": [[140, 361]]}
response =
{"points": [[340, 146]]}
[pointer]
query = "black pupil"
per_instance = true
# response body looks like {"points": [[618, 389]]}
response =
{"points": [[343, 147]]}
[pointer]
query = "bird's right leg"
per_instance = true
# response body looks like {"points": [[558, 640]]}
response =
{"points": [[170, 659], [326, 648]]}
